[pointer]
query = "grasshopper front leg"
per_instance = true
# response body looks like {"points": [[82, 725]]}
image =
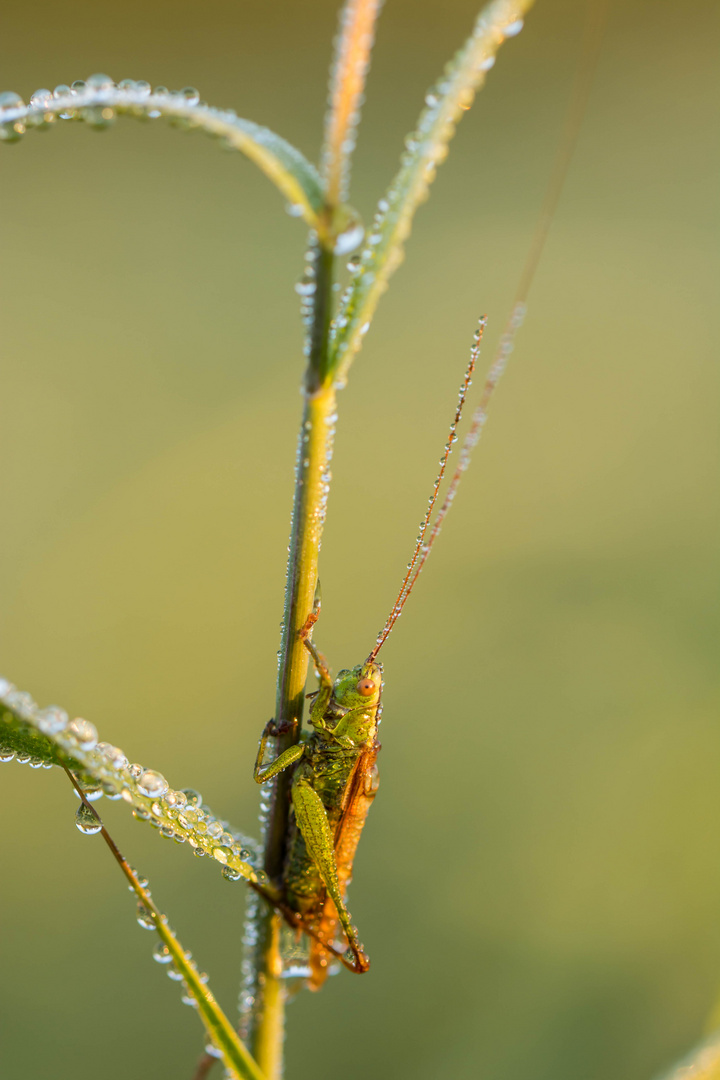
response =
{"points": [[287, 758], [315, 828]]}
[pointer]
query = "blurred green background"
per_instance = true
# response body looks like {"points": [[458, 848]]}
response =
{"points": [[539, 883]]}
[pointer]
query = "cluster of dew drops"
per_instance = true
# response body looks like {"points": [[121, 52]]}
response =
{"points": [[185, 806], [78, 102], [178, 815]]}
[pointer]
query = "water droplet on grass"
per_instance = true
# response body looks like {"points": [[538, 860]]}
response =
{"points": [[87, 820]]}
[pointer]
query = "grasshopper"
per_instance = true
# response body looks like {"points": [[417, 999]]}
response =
{"points": [[335, 771]]}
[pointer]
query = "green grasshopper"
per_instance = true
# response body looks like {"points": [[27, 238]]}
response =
{"points": [[335, 772]]}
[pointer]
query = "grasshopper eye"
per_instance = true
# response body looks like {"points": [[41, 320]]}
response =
{"points": [[365, 687]]}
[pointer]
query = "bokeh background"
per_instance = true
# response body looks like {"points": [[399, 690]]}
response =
{"points": [[539, 883]]}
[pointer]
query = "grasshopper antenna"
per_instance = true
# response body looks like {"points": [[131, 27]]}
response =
{"points": [[595, 22], [411, 574]]}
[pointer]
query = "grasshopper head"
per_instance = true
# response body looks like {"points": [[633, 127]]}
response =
{"points": [[359, 687]]}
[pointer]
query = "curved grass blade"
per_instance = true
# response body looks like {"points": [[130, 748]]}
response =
{"points": [[98, 101], [47, 737], [426, 148], [225, 1040], [347, 79]]}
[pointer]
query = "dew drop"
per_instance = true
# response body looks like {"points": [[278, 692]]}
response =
{"points": [[87, 820], [7, 755], [231, 873], [145, 917], [152, 783], [350, 238], [41, 98], [100, 82], [10, 100], [191, 95], [84, 733], [193, 797], [52, 720], [161, 953], [63, 90], [513, 28]]}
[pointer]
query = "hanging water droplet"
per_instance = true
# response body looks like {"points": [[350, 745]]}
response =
{"points": [[145, 917], [161, 953], [87, 820], [61, 91], [98, 117], [152, 783], [92, 794], [6, 755], [174, 974], [222, 854], [351, 236], [513, 28], [486, 64], [231, 873]]}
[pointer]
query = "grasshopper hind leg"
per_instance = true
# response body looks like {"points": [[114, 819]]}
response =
{"points": [[315, 828]]}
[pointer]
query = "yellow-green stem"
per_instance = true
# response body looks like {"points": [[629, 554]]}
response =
{"points": [[312, 482]]}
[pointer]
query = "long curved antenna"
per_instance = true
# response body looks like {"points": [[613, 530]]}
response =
{"points": [[595, 23], [420, 547]]}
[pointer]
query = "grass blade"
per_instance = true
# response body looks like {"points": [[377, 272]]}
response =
{"points": [[426, 149], [347, 79], [99, 100], [234, 1053], [47, 737]]}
